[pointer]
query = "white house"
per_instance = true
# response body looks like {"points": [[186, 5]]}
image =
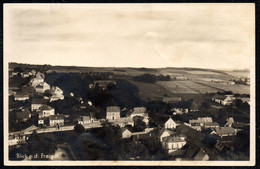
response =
{"points": [[163, 133], [125, 133], [84, 120], [173, 143], [46, 111], [36, 81], [140, 111], [21, 97], [40, 121], [113, 112], [42, 87], [223, 99], [170, 124], [55, 120]]}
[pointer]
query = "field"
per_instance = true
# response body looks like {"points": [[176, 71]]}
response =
{"points": [[150, 91], [187, 86], [240, 89]]}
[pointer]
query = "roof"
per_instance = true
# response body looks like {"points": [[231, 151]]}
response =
{"points": [[174, 139], [21, 95], [211, 124], [113, 109], [32, 127], [221, 97], [170, 120], [45, 107], [139, 110], [57, 117], [225, 130], [161, 131], [39, 101], [200, 155], [122, 130], [84, 118], [201, 120]]}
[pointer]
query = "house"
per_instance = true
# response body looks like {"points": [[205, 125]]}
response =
{"points": [[223, 99], [140, 111], [125, 133], [201, 120], [16, 138], [37, 103], [56, 97], [21, 97], [194, 107], [40, 121], [32, 73], [42, 87], [122, 122], [104, 83], [36, 81], [170, 124], [163, 133], [23, 115], [56, 120], [57, 94], [230, 121], [196, 126], [172, 143], [46, 111], [84, 120], [24, 74], [113, 112], [171, 99], [55, 90], [210, 125], [201, 156], [225, 131]]}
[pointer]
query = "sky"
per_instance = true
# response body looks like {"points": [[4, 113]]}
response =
{"points": [[131, 35]]}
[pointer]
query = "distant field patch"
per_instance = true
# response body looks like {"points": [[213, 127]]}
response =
{"points": [[150, 91], [240, 89], [201, 72], [187, 86]]}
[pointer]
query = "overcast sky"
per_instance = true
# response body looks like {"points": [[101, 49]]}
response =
{"points": [[131, 35]]}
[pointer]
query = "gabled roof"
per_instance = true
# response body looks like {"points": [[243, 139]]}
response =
{"points": [[170, 120], [225, 130], [161, 131], [122, 130], [171, 99], [200, 155], [220, 97], [139, 110], [84, 118], [113, 109]]}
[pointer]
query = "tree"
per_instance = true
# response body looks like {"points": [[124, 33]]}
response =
{"points": [[139, 125], [79, 128], [18, 69], [205, 105]]}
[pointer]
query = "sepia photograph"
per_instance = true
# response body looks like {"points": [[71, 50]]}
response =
{"points": [[169, 84]]}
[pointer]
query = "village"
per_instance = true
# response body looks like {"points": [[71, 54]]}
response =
{"points": [[200, 138]]}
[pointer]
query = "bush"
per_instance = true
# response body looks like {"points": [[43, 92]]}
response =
{"points": [[79, 128]]}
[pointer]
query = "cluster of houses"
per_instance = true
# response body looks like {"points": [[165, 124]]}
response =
{"points": [[204, 123], [39, 107]]}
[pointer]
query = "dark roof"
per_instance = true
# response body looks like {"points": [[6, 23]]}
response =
{"points": [[174, 139], [56, 117], [113, 109], [200, 155], [225, 130], [39, 101], [221, 97]]}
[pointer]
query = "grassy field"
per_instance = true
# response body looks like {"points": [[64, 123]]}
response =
{"points": [[240, 89], [187, 86], [150, 91]]}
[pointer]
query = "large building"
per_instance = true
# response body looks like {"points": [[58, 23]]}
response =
{"points": [[173, 143], [56, 120], [223, 99], [113, 113]]}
